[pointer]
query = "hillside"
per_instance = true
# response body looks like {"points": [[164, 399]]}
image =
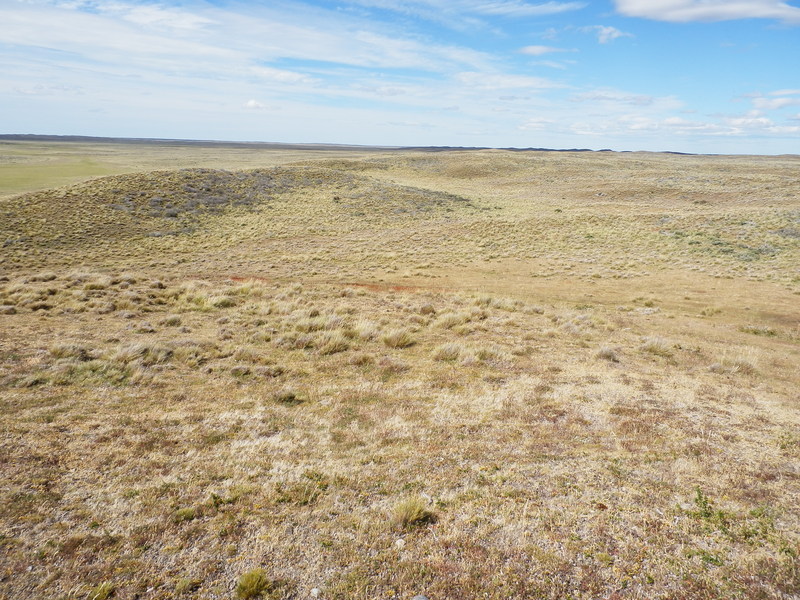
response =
{"points": [[460, 374]]}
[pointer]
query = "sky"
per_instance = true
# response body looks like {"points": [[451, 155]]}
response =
{"points": [[700, 76]]}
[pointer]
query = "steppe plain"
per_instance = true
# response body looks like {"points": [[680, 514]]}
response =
{"points": [[242, 371]]}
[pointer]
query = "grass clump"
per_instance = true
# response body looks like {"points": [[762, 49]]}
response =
{"points": [[288, 396], [71, 351], [332, 342], [412, 512], [186, 585], [657, 346], [143, 354], [184, 514], [740, 362], [366, 330], [170, 321], [764, 330], [448, 352], [451, 319], [398, 338], [254, 584], [301, 493], [607, 353], [101, 592]]}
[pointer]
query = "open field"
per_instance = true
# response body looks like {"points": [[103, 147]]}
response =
{"points": [[30, 165], [369, 374]]}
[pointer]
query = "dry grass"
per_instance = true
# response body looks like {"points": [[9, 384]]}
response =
{"points": [[403, 392]]}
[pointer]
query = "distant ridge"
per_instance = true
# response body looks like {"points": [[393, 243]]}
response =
{"points": [[266, 145], [31, 137], [26, 137]]}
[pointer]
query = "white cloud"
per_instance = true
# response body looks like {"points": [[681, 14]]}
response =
{"points": [[683, 11], [639, 124], [774, 103], [616, 97], [148, 15], [47, 89], [555, 64], [753, 119], [498, 81], [605, 34], [537, 124], [541, 50], [434, 9], [513, 8], [281, 75], [254, 105], [156, 16]]}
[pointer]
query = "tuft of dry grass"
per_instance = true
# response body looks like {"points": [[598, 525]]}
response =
{"points": [[398, 338], [449, 351], [608, 353], [412, 512], [657, 346], [331, 342]]}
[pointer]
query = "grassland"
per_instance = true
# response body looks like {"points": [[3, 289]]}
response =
{"points": [[370, 375]]}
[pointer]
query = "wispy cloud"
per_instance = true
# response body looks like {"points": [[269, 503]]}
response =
{"points": [[434, 9], [683, 11], [615, 97], [501, 81], [775, 103], [254, 105], [541, 50], [605, 34]]}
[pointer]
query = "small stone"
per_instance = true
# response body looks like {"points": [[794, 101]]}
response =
{"points": [[401, 543], [420, 597], [7, 310], [316, 592]]}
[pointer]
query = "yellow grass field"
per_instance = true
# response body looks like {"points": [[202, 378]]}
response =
{"points": [[360, 374]]}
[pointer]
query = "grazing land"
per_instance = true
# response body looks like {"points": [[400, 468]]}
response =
{"points": [[361, 373]]}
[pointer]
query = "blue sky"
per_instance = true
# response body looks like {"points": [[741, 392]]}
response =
{"points": [[708, 76]]}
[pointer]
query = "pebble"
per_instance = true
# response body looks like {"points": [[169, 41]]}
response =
{"points": [[316, 592]]}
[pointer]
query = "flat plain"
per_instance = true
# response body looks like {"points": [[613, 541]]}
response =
{"points": [[353, 373]]}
